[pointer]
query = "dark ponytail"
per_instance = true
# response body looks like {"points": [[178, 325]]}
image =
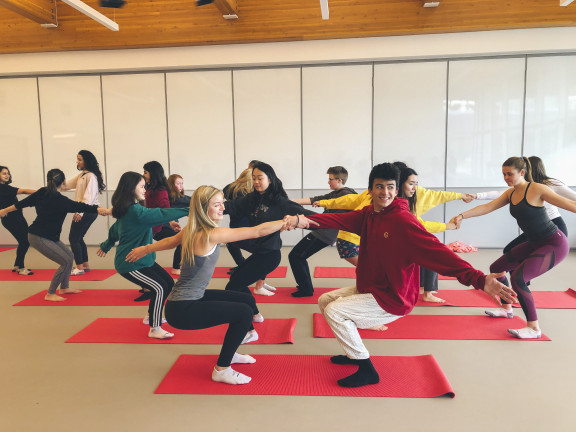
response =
{"points": [[519, 164], [54, 180]]}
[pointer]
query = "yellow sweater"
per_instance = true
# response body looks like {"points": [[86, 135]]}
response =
{"points": [[427, 200]]}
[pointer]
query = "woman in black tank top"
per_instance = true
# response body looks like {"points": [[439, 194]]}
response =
{"points": [[545, 247]]}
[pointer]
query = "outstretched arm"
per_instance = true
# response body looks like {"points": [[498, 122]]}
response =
{"points": [[26, 191], [164, 244], [553, 198], [7, 210], [229, 235], [483, 209]]}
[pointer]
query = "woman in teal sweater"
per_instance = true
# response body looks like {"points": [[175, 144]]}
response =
{"points": [[133, 229]]}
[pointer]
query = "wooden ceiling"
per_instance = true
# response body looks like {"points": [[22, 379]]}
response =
{"points": [[169, 23]]}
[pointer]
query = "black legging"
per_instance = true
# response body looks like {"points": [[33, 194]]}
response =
{"points": [[76, 238], [159, 283], [428, 279], [166, 232], [215, 308], [305, 248], [254, 268], [18, 227]]}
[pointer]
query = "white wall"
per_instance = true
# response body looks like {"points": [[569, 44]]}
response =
{"points": [[451, 117]]}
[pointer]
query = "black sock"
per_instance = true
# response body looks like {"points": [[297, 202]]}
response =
{"points": [[301, 294], [343, 360], [147, 295], [365, 375]]}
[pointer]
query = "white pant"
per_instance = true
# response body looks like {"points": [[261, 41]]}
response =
{"points": [[346, 310]]}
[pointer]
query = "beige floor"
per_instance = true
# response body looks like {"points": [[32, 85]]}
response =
{"points": [[48, 385]]}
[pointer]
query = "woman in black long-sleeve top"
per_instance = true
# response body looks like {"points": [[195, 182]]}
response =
{"points": [[268, 202], [44, 233]]}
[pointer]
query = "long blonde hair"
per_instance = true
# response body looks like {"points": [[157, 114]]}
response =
{"points": [[198, 221], [242, 185]]}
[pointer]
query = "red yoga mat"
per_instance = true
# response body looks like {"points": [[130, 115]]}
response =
{"points": [[132, 331], [475, 298], [445, 327], [283, 296], [349, 273], [47, 274], [6, 248], [309, 375], [88, 297], [222, 272]]}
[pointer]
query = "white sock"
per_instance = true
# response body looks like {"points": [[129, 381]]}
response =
{"points": [[269, 287], [251, 336], [258, 318], [242, 358], [230, 376], [263, 291]]}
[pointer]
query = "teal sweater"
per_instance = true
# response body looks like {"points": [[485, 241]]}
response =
{"points": [[134, 229]]}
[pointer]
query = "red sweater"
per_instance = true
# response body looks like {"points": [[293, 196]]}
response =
{"points": [[394, 244], [157, 199]]}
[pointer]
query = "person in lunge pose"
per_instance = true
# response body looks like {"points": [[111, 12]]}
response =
{"points": [[317, 239], [44, 234], [133, 228], [545, 246], [394, 243], [190, 305], [15, 222], [88, 184]]}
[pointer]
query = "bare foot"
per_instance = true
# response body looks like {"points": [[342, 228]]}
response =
{"points": [[429, 297], [54, 298], [259, 284], [378, 328], [421, 290], [69, 291]]}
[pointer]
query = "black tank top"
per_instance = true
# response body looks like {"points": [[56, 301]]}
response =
{"points": [[532, 220]]}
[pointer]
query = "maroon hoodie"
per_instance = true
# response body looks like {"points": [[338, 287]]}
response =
{"points": [[393, 245]]}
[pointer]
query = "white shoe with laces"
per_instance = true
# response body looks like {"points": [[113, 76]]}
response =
{"points": [[500, 313], [526, 333]]}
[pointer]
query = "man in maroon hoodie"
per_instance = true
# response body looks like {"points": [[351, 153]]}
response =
{"points": [[393, 246]]}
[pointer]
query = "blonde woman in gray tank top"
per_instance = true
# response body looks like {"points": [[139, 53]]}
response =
{"points": [[191, 306]]}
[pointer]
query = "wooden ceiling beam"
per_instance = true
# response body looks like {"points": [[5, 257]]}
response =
{"points": [[227, 7], [40, 11]]}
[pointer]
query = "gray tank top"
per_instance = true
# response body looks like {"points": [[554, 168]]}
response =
{"points": [[532, 220], [194, 278]]}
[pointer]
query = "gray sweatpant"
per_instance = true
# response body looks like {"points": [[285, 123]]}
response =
{"points": [[59, 253], [346, 310]]}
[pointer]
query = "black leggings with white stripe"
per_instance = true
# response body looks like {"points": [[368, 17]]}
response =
{"points": [[159, 282]]}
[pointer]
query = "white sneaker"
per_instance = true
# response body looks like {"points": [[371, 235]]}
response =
{"points": [[146, 320], [77, 272], [526, 333], [269, 287], [251, 336], [500, 313]]}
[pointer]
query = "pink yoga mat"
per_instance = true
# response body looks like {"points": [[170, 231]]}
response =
{"points": [[6, 248], [349, 273], [309, 375], [88, 297], [132, 331], [222, 272], [445, 327], [47, 274]]}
